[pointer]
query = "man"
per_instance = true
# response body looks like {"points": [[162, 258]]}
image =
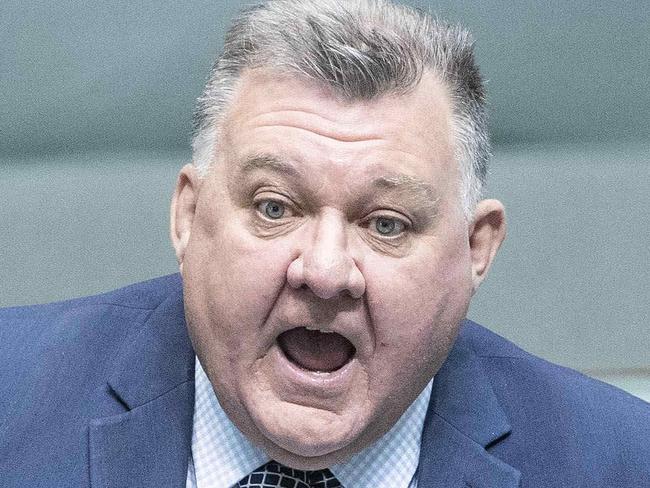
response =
{"points": [[330, 234]]}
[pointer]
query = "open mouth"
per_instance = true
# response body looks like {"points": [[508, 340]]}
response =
{"points": [[315, 350]]}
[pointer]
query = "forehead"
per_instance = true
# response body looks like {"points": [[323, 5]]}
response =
{"points": [[292, 119]]}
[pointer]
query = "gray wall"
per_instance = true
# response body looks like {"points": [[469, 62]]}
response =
{"points": [[95, 121]]}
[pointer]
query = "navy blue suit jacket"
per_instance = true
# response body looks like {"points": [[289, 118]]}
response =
{"points": [[99, 391]]}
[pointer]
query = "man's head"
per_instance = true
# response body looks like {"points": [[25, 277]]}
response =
{"points": [[329, 232]]}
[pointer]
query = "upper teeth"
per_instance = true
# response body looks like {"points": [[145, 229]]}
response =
{"points": [[320, 330]]}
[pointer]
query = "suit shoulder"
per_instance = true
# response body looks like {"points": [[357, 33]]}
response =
{"points": [[486, 343], [45, 337], [602, 429], [146, 295], [502, 358]]}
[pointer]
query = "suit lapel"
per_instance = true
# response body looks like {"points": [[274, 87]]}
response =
{"points": [[148, 444], [464, 418]]}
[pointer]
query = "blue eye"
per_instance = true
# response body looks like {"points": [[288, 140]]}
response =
{"points": [[272, 209], [388, 227]]}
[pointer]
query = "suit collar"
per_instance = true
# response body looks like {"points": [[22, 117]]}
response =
{"points": [[148, 443], [157, 358], [464, 418], [463, 396]]}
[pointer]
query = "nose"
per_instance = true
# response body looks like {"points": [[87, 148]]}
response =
{"points": [[324, 263]]}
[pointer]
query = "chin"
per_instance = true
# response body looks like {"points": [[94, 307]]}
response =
{"points": [[303, 437], [307, 432]]}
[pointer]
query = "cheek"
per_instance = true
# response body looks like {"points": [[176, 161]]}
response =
{"points": [[416, 306], [232, 280]]}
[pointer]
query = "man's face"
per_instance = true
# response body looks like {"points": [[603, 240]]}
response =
{"points": [[326, 262]]}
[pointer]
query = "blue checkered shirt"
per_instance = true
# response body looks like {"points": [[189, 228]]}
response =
{"points": [[221, 455]]}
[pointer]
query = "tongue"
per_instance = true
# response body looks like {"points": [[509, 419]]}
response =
{"points": [[314, 350]]}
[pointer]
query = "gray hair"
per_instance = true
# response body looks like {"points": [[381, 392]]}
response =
{"points": [[362, 49]]}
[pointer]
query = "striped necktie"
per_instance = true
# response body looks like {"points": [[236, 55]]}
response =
{"points": [[275, 475]]}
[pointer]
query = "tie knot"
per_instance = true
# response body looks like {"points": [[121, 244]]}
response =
{"points": [[275, 475]]}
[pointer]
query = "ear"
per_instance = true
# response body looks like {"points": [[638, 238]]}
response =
{"points": [[486, 233], [183, 209]]}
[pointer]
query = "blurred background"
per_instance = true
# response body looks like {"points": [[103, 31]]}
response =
{"points": [[95, 119]]}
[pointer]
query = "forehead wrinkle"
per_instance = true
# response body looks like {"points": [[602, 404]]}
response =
{"points": [[334, 128]]}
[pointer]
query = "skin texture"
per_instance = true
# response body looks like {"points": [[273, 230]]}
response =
{"points": [[342, 216]]}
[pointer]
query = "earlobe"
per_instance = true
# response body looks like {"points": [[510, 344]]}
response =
{"points": [[183, 209], [487, 232]]}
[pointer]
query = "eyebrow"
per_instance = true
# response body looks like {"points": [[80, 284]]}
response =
{"points": [[269, 162], [407, 184], [417, 193]]}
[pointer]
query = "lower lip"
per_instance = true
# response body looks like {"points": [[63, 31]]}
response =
{"points": [[295, 379]]}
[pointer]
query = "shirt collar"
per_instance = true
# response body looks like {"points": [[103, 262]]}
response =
{"points": [[222, 455]]}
